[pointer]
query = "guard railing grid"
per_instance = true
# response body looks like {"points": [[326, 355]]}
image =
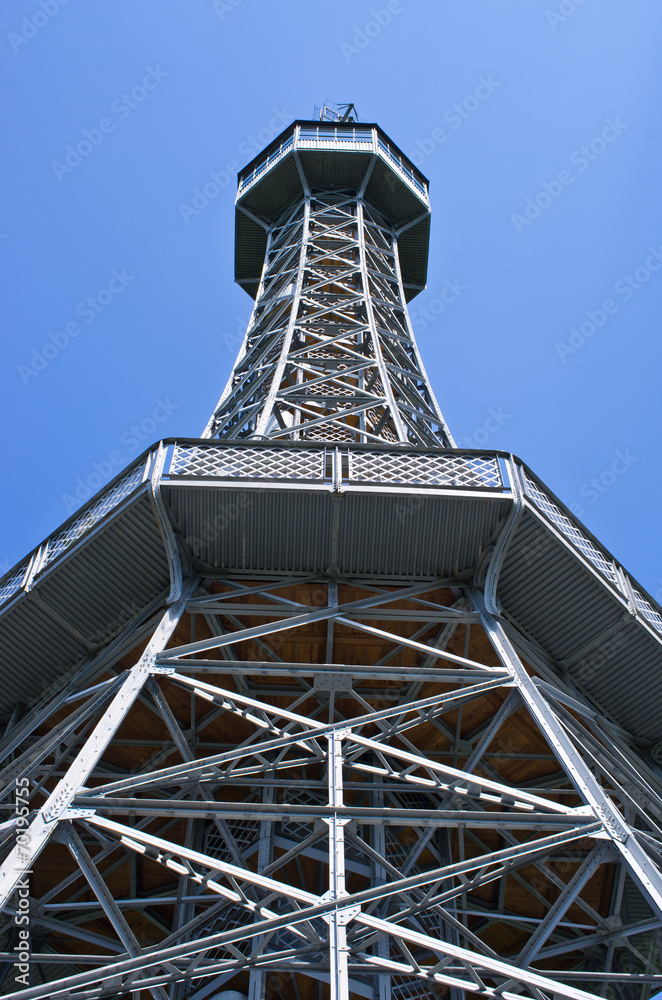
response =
{"points": [[248, 463], [422, 469], [57, 544], [326, 464], [401, 167], [571, 531], [345, 465], [331, 133], [329, 136], [605, 566], [277, 154], [645, 608], [13, 583], [107, 502]]}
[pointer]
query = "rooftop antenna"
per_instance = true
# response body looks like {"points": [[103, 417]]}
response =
{"points": [[330, 112], [347, 113]]}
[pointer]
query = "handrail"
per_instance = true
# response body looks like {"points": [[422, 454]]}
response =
{"points": [[78, 526], [268, 161], [326, 136]]}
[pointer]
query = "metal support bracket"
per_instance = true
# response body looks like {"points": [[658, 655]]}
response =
{"points": [[165, 527]]}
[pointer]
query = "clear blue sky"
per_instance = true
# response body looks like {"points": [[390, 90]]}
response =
{"points": [[508, 106]]}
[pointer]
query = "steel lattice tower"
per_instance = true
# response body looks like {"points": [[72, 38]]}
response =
{"points": [[319, 705]]}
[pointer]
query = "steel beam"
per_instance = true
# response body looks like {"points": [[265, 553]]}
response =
{"points": [[645, 872]]}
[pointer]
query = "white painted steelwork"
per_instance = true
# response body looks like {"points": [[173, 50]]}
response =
{"points": [[318, 781]]}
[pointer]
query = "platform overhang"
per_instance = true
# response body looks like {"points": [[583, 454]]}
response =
{"points": [[258, 510]]}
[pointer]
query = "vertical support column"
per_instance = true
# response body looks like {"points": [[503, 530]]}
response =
{"points": [[258, 977], [382, 988], [332, 597], [268, 407], [448, 931], [387, 386], [446, 436], [184, 909], [211, 428], [337, 920]]}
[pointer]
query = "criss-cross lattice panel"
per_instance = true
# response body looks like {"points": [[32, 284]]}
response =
{"points": [[426, 470], [248, 463], [645, 608], [229, 918], [299, 829], [396, 853], [244, 832], [571, 531], [336, 433], [60, 542], [94, 514], [10, 586]]}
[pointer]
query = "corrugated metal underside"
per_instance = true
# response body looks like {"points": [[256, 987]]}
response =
{"points": [[267, 199], [325, 168], [80, 602], [273, 192], [413, 247], [362, 533], [393, 196], [584, 625], [250, 244]]}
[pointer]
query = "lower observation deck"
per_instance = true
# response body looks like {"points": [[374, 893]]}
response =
{"points": [[255, 509]]}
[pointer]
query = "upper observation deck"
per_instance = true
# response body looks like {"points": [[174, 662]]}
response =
{"points": [[332, 155]]}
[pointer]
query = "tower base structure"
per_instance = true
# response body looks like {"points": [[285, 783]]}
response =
{"points": [[337, 721]]}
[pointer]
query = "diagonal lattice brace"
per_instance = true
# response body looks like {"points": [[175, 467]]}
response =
{"points": [[37, 834], [646, 873], [105, 897]]}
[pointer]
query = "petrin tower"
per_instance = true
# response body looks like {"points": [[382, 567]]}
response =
{"points": [[320, 706]]}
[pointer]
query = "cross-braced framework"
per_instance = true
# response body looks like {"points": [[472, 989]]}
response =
{"points": [[310, 782], [287, 738], [329, 354]]}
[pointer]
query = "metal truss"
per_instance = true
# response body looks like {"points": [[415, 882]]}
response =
{"points": [[315, 787], [329, 354]]}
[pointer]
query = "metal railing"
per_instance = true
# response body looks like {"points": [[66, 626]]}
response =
{"points": [[245, 181], [341, 465], [22, 577], [608, 568], [202, 461], [394, 157], [432, 469], [324, 134], [331, 137], [571, 531]]}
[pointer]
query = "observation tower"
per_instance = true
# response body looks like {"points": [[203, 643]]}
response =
{"points": [[318, 705]]}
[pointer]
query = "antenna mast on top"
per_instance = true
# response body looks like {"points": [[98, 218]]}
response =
{"points": [[330, 112]]}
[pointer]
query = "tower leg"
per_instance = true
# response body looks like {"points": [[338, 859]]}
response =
{"points": [[258, 977], [382, 989], [337, 919], [643, 871]]}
